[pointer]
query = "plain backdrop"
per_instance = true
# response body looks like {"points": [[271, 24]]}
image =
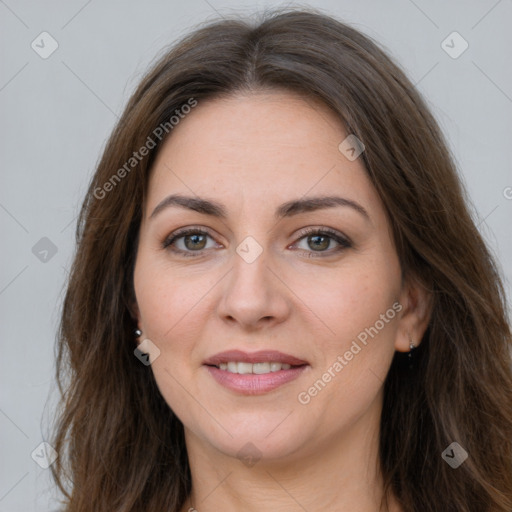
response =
{"points": [[56, 113]]}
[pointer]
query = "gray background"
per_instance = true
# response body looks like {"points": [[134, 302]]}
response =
{"points": [[57, 113]]}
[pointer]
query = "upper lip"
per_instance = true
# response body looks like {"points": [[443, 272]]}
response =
{"points": [[262, 356]]}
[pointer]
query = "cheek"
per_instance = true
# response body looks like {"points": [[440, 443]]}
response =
{"points": [[168, 299], [354, 361], [352, 299], [171, 310], [359, 305]]}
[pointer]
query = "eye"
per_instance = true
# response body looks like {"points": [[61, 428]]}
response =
{"points": [[187, 241], [193, 241], [321, 240]]}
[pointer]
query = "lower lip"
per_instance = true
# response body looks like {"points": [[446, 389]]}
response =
{"points": [[253, 384]]}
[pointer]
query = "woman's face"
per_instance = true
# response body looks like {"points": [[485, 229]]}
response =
{"points": [[314, 318]]}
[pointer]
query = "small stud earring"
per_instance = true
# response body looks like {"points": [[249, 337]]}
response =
{"points": [[138, 333], [412, 347]]}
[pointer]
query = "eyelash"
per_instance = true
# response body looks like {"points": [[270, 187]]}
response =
{"points": [[344, 242]]}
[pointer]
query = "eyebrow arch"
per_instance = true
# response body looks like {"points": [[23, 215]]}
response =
{"points": [[288, 209]]}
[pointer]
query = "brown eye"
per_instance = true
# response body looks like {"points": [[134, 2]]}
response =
{"points": [[319, 242], [194, 242], [189, 242], [323, 241]]}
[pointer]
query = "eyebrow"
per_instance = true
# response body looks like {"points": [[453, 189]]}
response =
{"points": [[288, 209]]}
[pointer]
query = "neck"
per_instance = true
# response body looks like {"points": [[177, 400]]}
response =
{"points": [[341, 473]]}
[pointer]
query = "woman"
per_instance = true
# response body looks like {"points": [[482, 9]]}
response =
{"points": [[279, 300]]}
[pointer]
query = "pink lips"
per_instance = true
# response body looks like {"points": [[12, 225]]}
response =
{"points": [[253, 384]]}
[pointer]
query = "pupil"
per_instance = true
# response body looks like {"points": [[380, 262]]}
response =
{"points": [[196, 241], [320, 237]]}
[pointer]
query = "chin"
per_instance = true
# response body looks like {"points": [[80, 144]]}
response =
{"points": [[250, 436]]}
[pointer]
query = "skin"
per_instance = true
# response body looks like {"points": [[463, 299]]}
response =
{"points": [[252, 152]]}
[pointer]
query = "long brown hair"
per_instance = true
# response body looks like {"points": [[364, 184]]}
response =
{"points": [[120, 446]]}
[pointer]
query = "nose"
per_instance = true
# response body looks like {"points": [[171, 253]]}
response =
{"points": [[253, 296]]}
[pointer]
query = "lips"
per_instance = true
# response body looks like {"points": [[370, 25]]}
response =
{"points": [[254, 373]]}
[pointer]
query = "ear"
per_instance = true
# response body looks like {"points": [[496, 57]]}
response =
{"points": [[416, 301]]}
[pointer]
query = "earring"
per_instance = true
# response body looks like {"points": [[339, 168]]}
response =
{"points": [[412, 347], [138, 333]]}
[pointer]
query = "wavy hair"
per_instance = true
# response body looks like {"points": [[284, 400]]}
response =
{"points": [[121, 447]]}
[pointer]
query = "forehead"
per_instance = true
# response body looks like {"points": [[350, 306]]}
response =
{"points": [[268, 145]]}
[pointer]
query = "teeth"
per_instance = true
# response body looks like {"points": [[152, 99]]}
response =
{"points": [[256, 368], [275, 367], [244, 368], [260, 368]]}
